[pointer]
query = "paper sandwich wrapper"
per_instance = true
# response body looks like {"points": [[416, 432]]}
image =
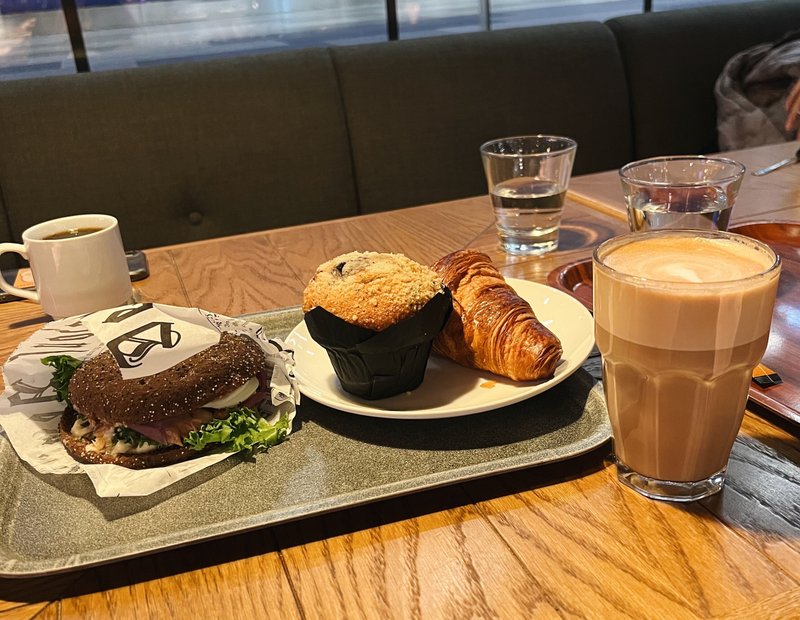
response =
{"points": [[144, 339]]}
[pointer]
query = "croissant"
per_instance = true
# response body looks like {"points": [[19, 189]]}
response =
{"points": [[491, 327]]}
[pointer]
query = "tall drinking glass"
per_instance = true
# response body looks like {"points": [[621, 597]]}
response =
{"points": [[681, 319], [686, 192], [528, 178]]}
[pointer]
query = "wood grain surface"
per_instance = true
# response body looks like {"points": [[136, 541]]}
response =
{"points": [[579, 536], [562, 540], [774, 196]]}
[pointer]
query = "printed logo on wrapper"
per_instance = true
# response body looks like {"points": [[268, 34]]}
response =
{"points": [[145, 339], [148, 338]]}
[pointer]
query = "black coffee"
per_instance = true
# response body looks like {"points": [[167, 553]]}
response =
{"points": [[71, 232]]}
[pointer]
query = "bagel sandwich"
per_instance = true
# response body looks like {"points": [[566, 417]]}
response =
{"points": [[211, 400]]}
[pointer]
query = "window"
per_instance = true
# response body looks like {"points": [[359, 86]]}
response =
{"points": [[35, 39]]}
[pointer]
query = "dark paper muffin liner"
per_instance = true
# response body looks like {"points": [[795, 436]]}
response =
{"points": [[375, 365]]}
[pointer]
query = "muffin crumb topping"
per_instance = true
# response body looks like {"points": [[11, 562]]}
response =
{"points": [[371, 289]]}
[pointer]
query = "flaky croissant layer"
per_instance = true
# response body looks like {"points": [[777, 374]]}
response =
{"points": [[491, 327]]}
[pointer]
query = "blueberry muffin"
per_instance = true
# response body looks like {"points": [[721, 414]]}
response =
{"points": [[376, 315]]}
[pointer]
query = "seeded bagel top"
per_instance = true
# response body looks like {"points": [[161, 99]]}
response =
{"points": [[98, 390], [371, 289]]}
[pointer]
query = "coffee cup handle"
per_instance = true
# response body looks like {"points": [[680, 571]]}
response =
{"points": [[18, 292]]}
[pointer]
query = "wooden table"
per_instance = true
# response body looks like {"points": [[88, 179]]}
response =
{"points": [[772, 197], [565, 539]]}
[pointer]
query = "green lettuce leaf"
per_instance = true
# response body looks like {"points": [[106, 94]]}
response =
{"points": [[65, 366], [136, 439], [244, 430]]}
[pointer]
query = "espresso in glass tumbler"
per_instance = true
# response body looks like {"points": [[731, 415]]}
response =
{"points": [[528, 178], [681, 319], [683, 192]]}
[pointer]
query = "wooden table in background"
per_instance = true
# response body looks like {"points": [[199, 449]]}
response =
{"points": [[772, 197], [562, 540]]}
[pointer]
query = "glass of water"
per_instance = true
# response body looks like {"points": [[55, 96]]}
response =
{"points": [[683, 192], [528, 178]]}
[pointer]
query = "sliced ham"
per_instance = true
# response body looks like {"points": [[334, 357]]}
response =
{"points": [[261, 394], [174, 429], [255, 400]]}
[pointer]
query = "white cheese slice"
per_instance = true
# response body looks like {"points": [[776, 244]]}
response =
{"points": [[239, 395]]}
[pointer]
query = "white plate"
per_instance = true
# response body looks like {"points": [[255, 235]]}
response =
{"points": [[449, 389]]}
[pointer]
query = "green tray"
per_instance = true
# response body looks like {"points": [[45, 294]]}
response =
{"points": [[333, 460]]}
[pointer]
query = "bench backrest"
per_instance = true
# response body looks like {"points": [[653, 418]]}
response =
{"points": [[180, 152], [418, 110], [672, 60]]}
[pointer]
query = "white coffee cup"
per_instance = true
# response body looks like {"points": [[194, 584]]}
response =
{"points": [[75, 274]]}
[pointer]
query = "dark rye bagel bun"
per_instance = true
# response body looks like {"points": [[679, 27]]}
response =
{"points": [[76, 448], [98, 390]]}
